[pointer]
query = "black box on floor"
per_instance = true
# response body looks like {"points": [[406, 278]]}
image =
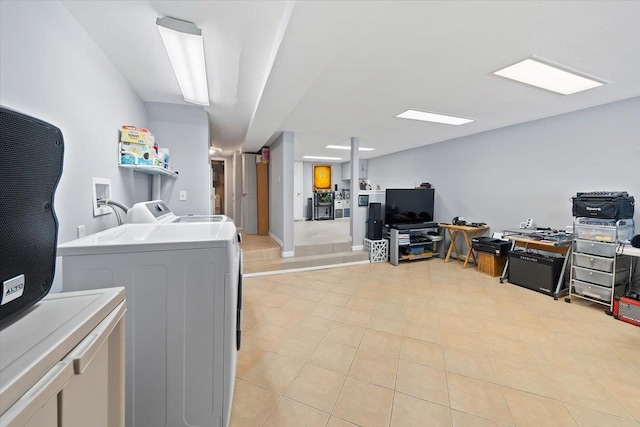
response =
{"points": [[535, 271]]}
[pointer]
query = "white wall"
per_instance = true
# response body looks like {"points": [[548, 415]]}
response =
{"points": [[52, 70], [530, 170], [281, 191], [184, 130]]}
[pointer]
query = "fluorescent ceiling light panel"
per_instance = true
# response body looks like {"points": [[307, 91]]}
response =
{"points": [[550, 77], [346, 147], [321, 158], [183, 42], [433, 117]]}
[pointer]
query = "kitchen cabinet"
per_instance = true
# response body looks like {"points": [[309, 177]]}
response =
{"points": [[62, 362], [362, 170]]}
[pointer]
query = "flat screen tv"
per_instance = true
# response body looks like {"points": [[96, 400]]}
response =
{"points": [[408, 206]]}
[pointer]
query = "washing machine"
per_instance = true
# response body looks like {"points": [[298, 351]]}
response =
{"points": [[157, 211], [183, 330]]}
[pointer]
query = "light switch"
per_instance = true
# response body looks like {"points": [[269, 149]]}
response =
{"points": [[183, 195]]}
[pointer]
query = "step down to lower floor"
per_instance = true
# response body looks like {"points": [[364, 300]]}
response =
{"points": [[262, 265], [322, 249]]}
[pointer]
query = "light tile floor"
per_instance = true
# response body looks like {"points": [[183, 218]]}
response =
{"points": [[327, 231], [428, 344]]}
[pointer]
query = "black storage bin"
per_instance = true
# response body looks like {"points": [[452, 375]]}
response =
{"points": [[615, 205], [534, 271]]}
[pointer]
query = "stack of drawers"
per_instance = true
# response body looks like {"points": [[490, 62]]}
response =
{"points": [[597, 273]]}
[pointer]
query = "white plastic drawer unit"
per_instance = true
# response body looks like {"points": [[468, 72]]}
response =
{"points": [[614, 230], [594, 291], [62, 363], [593, 262], [591, 290], [594, 248], [592, 276]]}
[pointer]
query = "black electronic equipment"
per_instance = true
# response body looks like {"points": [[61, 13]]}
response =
{"points": [[408, 206], [374, 229], [635, 241], [535, 271], [603, 204], [375, 210], [31, 154], [458, 220], [490, 245]]}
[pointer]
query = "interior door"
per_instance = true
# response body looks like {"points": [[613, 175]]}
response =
{"points": [[217, 186], [298, 199]]}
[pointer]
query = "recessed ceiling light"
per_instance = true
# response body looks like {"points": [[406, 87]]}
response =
{"points": [[433, 117], [183, 42], [556, 78], [321, 158], [346, 147]]}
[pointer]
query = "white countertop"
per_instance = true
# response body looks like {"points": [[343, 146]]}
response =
{"points": [[630, 250]]}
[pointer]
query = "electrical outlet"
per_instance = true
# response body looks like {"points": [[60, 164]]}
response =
{"points": [[183, 195], [81, 231]]}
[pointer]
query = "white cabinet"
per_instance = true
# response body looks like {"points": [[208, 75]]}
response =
{"points": [[62, 363], [362, 170], [346, 171]]}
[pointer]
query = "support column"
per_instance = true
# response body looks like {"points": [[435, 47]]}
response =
{"points": [[358, 214]]}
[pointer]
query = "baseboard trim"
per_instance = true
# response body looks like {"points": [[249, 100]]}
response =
{"points": [[278, 241], [293, 270], [287, 254], [357, 248]]}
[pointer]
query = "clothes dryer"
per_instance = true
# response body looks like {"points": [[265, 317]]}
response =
{"points": [[184, 296]]}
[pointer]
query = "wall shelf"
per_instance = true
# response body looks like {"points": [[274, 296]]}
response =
{"points": [[151, 170]]}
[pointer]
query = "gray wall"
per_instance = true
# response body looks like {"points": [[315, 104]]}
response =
{"points": [[281, 191], [530, 170], [51, 69], [184, 130]]}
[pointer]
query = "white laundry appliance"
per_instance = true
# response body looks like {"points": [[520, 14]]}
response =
{"points": [[157, 211], [184, 296]]}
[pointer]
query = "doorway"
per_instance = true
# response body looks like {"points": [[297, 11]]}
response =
{"points": [[217, 187]]}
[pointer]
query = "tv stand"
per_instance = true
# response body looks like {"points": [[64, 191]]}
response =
{"points": [[409, 242], [415, 226]]}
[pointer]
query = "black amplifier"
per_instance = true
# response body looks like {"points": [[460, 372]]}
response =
{"points": [[535, 271], [491, 246]]}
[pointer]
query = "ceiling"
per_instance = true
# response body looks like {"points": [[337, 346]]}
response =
{"points": [[331, 70]]}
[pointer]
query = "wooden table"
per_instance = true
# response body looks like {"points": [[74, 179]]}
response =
{"points": [[468, 233], [525, 239]]}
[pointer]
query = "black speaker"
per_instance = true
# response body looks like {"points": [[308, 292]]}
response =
{"points": [[375, 210], [374, 229], [31, 153]]}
